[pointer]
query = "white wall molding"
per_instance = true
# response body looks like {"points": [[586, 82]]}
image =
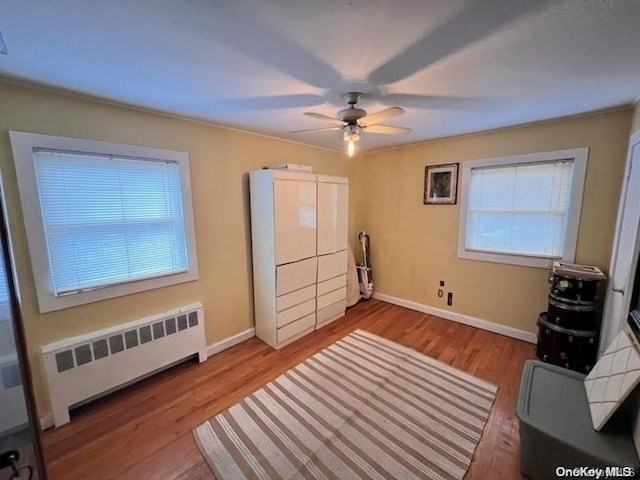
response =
{"points": [[460, 318], [230, 342]]}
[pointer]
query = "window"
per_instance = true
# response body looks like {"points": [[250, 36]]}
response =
{"points": [[522, 210], [4, 286], [103, 220], [5, 312]]}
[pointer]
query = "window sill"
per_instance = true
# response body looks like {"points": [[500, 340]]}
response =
{"points": [[48, 302], [519, 260]]}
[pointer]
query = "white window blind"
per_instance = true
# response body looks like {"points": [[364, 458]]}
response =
{"points": [[110, 220], [4, 287], [519, 209]]}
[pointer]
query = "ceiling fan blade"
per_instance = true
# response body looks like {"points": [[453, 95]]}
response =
{"points": [[434, 102], [336, 121], [270, 102], [380, 116], [475, 21], [242, 29], [386, 129], [326, 129]]}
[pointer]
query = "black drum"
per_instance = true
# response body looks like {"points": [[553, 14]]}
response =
{"points": [[573, 349], [572, 316], [573, 290]]}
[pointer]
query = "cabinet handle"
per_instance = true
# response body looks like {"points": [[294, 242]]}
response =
{"points": [[618, 290]]}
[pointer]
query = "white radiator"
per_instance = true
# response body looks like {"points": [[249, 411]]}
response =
{"points": [[82, 367]]}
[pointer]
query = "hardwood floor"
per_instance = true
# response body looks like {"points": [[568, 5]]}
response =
{"points": [[144, 431]]}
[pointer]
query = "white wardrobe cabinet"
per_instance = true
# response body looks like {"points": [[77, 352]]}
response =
{"points": [[333, 214], [299, 238], [333, 222], [295, 219]]}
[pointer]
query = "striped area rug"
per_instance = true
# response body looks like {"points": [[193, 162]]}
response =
{"points": [[364, 407]]}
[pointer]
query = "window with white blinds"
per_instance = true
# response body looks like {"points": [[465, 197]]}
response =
{"points": [[523, 209], [103, 220], [5, 308], [110, 220], [4, 287]]}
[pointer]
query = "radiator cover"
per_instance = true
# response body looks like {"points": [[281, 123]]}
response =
{"points": [[79, 368]]}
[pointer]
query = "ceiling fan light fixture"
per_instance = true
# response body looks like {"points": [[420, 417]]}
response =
{"points": [[354, 121], [351, 135]]}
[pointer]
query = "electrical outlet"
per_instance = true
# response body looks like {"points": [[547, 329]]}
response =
{"points": [[450, 298], [442, 283]]}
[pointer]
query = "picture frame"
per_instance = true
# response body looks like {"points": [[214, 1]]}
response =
{"points": [[441, 184]]}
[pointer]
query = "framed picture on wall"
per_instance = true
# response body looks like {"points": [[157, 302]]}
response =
{"points": [[441, 184]]}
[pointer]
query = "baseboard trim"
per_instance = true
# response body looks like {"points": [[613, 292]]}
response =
{"points": [[230, 341], [46, 421], [460, 318]]}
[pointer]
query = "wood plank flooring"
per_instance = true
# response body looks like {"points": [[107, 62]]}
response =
{"points": [[144, 431]]}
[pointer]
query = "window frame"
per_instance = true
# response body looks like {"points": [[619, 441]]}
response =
{"points": [[23, 145], [579, 157]]}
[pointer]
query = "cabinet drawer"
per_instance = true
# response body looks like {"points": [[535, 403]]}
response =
{"points": [[299, 326], [330, 266], [330, 313], [294, 276], [294, 313], [332, 297], [294, 298], [332, 284]]}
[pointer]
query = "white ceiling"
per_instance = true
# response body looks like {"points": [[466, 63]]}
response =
{"points": [[456, 66]]}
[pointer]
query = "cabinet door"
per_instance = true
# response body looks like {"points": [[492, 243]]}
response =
{"points": [[333, 217], [295, 220]]}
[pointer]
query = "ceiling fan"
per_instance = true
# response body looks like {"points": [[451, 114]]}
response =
{"points": [[354, 121]]}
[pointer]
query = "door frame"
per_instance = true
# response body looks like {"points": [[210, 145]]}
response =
{"points": [[608, 330], [22, 350]]}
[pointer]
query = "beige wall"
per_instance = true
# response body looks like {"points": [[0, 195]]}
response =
{"points": [[414, 245], [220, 159]]}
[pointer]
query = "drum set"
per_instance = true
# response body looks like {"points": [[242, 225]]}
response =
{"points": [[568, 330]]}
